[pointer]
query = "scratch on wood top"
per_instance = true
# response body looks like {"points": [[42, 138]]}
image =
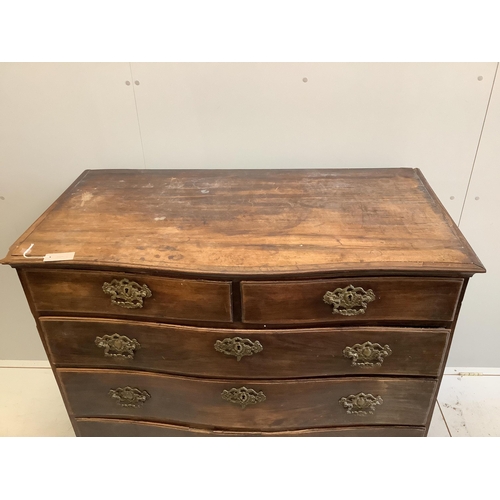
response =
{"points": [[86, 197]]}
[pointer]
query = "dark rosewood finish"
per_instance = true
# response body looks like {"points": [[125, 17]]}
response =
{"points": [[396, 299], [81, 292], [285, 353], [97, 427], [292, 404]]}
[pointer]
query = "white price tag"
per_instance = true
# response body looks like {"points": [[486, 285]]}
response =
{"points": [[52, 257]]}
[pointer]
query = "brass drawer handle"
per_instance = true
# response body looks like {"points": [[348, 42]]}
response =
{"points": [[125, 293], [243, 396], [349, 301], [360, 404], [367, 354], [238, 347], [129, 396], [117, 346]]}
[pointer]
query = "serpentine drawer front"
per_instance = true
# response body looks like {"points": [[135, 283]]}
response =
{"points": [[318, 302], [124, 295], [105, 427], [228, 353], [357, 300], [249, 404]]}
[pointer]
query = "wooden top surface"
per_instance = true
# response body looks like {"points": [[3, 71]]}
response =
{"points": [[251, 222]]}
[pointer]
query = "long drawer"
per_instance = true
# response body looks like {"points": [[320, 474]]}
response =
{"points": [[129, 295], [96, 427], [248, 404], [353, 300], [255, 354]]}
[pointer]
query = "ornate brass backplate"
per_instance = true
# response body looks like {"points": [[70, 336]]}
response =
{"points": [[119, 346], [129, 396], [238, 347], [243, 396], [349, 301], [360, 404], [125, 293], [367, 354]]}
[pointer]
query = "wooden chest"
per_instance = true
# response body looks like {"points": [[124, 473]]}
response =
{"points": [[246, 302]]}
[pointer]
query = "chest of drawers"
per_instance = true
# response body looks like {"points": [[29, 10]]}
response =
{"points": [[312, 302]]}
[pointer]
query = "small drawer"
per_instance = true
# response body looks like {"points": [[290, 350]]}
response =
{"points": [[248, 404], [219, 353], [100, 427], [353, 300], [129, 295]]}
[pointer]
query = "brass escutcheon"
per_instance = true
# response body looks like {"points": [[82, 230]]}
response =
{"points": [[243, 396], [125, 293], [129, 396], [238, 347], [360, 404], [119, 346], [367, 354], [349, 301]]}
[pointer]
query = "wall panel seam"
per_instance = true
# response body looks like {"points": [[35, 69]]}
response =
{"points": [[137, 114], [478, 145]]}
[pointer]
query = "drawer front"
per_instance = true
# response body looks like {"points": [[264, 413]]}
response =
{"points": [[252, 354], [353, 300], [129, 295], [95, 427], [249, 404]]}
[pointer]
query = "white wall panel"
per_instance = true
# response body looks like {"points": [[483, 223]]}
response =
{"points": [[477, 337], [59, 119], [56, 120], [262, 115]]}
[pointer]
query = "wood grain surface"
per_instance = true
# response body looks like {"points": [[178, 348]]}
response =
{"points": [[82, 292], [285, 353], [294, 404], [251, 222], [95, 427], [396, 299]]}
